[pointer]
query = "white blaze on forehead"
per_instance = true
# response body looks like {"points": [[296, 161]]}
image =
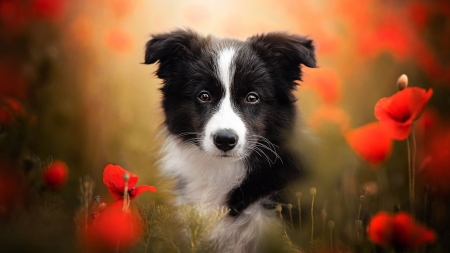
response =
{"points": [[225, 67], [225, 117]]}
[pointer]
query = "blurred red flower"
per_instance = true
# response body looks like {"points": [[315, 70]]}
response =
{"points": [[392, 37], [418, 13], [12, 14], [6, 116], [118, 40], [399, 231], [10, 109], [371, 142], [326, 82], [114, 229], [15, 106], [398, 112], [48, 9], [434, 151], [12, 83], [113, 179], [55, 176]]}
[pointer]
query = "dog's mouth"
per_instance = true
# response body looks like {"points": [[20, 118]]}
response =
{"points": [[230, 155]]}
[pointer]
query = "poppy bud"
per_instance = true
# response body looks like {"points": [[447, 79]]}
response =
{"points": [[289, 206], [279, 208], [126, 177], [313, 191], [331, 225], [362, 198], [402, 82], [55, 176], [298, 194]]}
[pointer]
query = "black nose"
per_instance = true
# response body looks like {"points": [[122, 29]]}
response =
{"points": [[225, 140]]}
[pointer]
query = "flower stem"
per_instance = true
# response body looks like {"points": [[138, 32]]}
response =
{"points": [[126, 177], [331, 227], [413, 165], [289, 206], [312, 218], [299, 195], [411, 144]]}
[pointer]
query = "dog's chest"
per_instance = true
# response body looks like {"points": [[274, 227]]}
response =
{"points": [[200, 179]]}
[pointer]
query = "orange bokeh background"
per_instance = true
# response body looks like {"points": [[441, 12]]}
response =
{"points": [[71, 72]]}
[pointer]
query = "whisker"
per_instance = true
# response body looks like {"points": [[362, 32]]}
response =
{"points": [[270, 146], [270, 161]]}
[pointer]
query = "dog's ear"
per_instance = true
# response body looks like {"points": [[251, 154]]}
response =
{"points": [[285, 52], [167, 48]]}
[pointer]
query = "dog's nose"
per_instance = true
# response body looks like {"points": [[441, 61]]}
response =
{"points": [[225, 140]]}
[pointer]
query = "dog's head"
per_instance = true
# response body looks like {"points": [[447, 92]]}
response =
{"points": [[225, 95]]}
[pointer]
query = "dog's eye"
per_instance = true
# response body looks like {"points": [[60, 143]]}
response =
{"points": [[252, 98], [204, 96]]}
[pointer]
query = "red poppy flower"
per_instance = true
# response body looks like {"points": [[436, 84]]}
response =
{"points": [[380, 227], [114, 229], [48, 9], [371, 142], [113, 179], [398, 112], [55, 176], [399, 231]]}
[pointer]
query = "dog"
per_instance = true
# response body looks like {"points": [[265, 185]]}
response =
{"points": [[229, 111]]}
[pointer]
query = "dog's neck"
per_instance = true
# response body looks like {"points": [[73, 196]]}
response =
{"points": [[200, 178]]}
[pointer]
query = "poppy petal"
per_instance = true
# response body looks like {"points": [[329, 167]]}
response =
{"points": [[403, 230], [114, 226], [113, 179], [408, 234], [371, 142], [140, 189], [422, 237], [398, 112], [380, 228]]}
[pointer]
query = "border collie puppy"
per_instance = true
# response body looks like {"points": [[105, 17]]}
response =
{"points": [[229, 111]]}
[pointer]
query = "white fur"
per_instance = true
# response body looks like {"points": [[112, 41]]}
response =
{"points": [[207, 180], [225, 117]]}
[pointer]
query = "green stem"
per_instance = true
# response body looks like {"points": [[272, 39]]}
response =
{"points": [[411, 205], [299, 215], [312, 219], [413, 168]]}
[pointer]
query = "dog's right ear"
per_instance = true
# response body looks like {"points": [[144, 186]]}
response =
{"points": [[175, 45]]}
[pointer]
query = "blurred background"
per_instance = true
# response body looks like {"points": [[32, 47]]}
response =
{"points": [[72, 88]]}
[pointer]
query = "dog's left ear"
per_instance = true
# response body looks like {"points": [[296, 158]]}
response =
{"points": [[168, 48], [285, 52]]}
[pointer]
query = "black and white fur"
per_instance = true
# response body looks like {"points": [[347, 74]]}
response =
{"points": [[229, 111]]}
